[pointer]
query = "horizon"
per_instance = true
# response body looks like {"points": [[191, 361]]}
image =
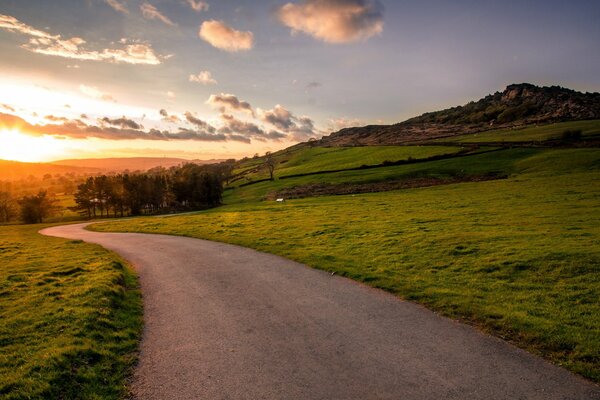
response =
{"points": [[216, 80]]}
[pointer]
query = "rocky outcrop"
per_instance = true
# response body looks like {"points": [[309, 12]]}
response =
{"points": [[518, 105]]}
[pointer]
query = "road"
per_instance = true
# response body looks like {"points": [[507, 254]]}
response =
{"points": [[227, 322]]}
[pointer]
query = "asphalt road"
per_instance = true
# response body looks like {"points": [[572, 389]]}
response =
{"points": [[226, 322]]}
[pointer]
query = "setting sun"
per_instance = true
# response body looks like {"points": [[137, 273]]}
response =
{"points": [[17, 146]]}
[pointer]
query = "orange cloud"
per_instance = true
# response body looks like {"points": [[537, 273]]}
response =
{"points": [[334, 21], [223, 37]]}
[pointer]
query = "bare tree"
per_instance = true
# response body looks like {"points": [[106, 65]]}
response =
{"points": [[270, 164]]}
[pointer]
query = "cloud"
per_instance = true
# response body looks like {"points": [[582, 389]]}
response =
{"points": [[341, 123], [247, 130], [198, 6], [229, 102], [150, 12], [117, 6], [312, 85], [93, 91], [203, 77], [119, 130], [334, 21], [169, 118], [300, 128], [223, 37], [279, 117], [56, 119], [190, 134], [7, 107], [54, 45], [122, 122], [170, 94], [198, 122]]}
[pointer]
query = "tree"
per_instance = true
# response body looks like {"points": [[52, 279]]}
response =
{"points": [[35, 208], [8, 207], [270, 164]]}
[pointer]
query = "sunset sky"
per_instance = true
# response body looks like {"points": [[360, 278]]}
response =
{"points": [[227, 79]]}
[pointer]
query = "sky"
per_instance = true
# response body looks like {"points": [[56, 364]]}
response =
{"points": [[221, 79]]}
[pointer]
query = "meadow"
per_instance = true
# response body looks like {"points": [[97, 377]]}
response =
{"points": [[71, 318], [517, 257], [301, 160]]}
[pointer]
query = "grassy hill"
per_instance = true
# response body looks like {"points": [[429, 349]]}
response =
{"points": [[517, 106], [14, 170], [500, 230], [129, 163]]}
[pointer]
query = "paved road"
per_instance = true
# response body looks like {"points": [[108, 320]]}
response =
{"points": [[226, 322]]}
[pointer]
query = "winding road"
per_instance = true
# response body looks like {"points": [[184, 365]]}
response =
{"points": [[227, 322]]}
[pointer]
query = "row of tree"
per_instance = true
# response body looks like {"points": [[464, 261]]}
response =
{"points": [[31, 209], [189, 187]]}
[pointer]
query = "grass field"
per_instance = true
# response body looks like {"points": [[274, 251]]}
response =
{"points": [[502, 162], [71, 318], [589, 128], [302, 160], [519, 257]]}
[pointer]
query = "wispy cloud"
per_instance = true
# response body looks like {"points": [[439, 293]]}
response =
{"points": [[334, 21], [198, 122], [117, 6], [150, 12], [223, 37], [203, 77], [198, 6], [93, 91], [54, 45]]}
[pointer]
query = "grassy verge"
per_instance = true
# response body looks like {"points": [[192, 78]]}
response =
{"points": [[519, 257], [71, 318]]}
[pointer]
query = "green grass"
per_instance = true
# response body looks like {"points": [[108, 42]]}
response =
{"points": [[497, 162], [589, 128], [518, 257], [71, 318], [306, 160]]}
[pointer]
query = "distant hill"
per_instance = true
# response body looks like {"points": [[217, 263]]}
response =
{"points": [[15, 170], [518, 105], [131, 164]]}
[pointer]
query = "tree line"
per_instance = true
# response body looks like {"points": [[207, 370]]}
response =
{"points": [[159, 190], [189, 187]]}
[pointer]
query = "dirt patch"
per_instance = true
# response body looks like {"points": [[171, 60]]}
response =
{"points": [[324, 189]]}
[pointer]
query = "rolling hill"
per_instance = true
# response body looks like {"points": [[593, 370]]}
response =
{"points": [[517, 106], [129, 163]]}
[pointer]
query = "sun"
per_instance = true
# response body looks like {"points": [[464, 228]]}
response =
{"points": [[18, 146]]}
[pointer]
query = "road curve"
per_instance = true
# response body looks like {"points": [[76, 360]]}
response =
{"points": [[227, 322]]}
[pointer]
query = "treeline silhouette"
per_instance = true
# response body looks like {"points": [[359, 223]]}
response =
{"points": [[189, 187]]}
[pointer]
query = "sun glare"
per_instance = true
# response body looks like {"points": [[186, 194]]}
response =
{"points": [[17, 146]]}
